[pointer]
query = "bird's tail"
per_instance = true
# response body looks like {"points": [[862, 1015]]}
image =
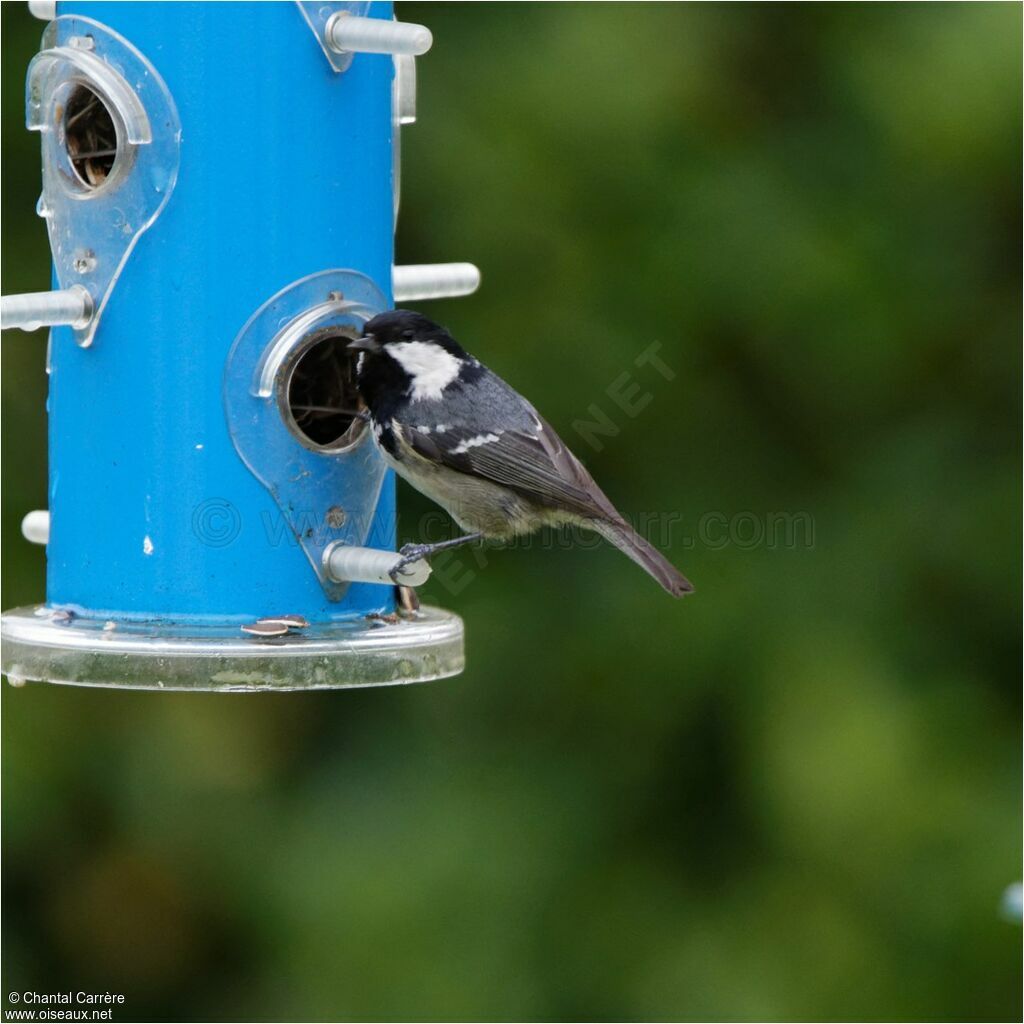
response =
{"points": [[648, 557]]}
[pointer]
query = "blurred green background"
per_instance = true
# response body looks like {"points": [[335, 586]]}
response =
{"points": [[794, 796]]}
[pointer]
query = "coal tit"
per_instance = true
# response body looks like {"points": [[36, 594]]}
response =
{"points": [[460, 435]]}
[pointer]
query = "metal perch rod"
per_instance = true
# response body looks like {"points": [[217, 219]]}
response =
{"points": [[415, 282], [345, 564], [370, 565], [46, 309], [348, 33]]}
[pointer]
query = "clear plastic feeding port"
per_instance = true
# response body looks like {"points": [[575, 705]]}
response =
{"points": [[110, 153], [291, 403], [317, 392], [91, 137]]}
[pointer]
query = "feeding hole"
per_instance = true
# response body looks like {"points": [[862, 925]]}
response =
{"points": [[318, 391], [90, 137]]}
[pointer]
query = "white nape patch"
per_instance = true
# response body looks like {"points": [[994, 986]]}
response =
{"points": [[431, 368], [423, 430], [474, 442], [147, 545], [441, 427]]}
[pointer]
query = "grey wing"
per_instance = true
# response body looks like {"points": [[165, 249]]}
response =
{"points": [[521, 453], [530, 458]]}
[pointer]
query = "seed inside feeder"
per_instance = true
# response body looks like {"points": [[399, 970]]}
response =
{"points": [[322, 399], [90, 136]]}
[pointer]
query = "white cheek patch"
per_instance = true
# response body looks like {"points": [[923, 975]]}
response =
{"points": [[474, 442], [431, 368]]}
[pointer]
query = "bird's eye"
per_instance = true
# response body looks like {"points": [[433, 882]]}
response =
{"points": [[408, 334]]}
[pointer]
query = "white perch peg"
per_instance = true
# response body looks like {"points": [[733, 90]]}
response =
{"points": [[35, 527], [29, 312], [417, 281], [45, 11], [346, 564], [348, 33]]}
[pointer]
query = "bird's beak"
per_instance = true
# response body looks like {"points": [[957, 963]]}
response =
{"points": [[367, 343]]}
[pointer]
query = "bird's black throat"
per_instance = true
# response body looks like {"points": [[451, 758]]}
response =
{"points": [[383, 385]]}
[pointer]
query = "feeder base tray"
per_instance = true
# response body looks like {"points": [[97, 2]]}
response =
{"points": [[41, 645]]}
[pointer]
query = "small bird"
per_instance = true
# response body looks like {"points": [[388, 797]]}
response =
{"points": [[460, 435]]}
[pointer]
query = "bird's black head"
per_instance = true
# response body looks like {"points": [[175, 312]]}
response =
{"points": [[401, 326], [406, 356]]}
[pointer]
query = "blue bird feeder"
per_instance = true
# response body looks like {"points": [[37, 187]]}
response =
{"points": [[220, 192]]}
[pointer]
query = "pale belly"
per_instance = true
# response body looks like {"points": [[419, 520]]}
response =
{"points": [[477, 505]]}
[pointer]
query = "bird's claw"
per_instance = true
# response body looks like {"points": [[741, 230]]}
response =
{"points": [[410, 553]]}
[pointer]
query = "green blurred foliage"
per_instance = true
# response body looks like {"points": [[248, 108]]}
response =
{"points": [[795, 795]]}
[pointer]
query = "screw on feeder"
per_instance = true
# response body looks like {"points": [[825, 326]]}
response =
{"points": [[85, 261], [349, 33]]}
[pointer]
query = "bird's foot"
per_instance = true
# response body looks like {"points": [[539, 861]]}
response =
{"points": [[410, 553], [414, 552]]}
